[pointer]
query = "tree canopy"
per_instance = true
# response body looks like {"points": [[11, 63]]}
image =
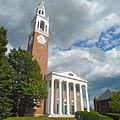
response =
{"points": [[114, 103], [6, 75], [28, 80], [3, 41]]}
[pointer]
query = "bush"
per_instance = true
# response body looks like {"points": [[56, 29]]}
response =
{"points": [[104, 118], [115, 116], [91, 116], [87, 115]]}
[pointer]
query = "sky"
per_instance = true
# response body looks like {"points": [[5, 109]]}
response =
{"points": [[84, 36]]}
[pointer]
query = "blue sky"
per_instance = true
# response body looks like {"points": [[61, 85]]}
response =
{"points": [[84, 36]]}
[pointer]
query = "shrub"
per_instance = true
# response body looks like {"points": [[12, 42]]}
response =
{"points": [[88, 115], [91, 116], [104, 118], [115, 116]]}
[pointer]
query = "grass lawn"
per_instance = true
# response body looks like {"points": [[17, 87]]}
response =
{"points": [[38, 118]]}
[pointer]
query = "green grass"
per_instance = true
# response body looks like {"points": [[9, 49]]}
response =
{"points": [[38, 118]]}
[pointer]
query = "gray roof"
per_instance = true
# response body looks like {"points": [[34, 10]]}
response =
{"points": [[107, 94]]}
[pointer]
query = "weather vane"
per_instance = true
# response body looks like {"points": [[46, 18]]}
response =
{"points": [[41, 3]]}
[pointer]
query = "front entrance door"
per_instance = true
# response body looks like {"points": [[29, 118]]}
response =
{"points": [[65, 109], [57, 108], [72, 108]]}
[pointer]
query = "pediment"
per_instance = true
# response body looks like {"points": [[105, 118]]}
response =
{"points": [[69, 74]]}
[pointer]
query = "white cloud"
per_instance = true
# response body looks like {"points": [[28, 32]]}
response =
{"points": [[90, 62], [110, 66], [9, 47]]}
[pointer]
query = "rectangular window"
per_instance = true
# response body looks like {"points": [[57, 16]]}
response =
{"points": [[40, 57], [40, 46]]}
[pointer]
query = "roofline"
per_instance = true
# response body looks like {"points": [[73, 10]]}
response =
{"points": [[65, 70]]}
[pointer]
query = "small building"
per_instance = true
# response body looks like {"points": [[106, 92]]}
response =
{"points": [[101, 103]]}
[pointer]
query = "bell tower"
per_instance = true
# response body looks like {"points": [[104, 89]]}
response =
{"points": [[38, 38]]}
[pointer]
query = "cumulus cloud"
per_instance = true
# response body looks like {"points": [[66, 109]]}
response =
{"points": [[90, 62]]}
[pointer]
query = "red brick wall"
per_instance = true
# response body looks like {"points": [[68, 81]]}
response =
{"points": [[36, 51]]}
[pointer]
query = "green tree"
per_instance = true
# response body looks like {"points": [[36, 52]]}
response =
{"points": [[28, 82], [6, 75], [3, 41], [114, 103]]}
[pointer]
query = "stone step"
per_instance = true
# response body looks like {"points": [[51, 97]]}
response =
{"points": [[61, 115]]}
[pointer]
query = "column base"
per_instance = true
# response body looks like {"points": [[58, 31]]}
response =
{"points": [[61, 115], [68, 114]]}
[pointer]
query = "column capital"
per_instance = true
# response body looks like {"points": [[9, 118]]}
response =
{"points": [[60, 80], [68, 82], [80, 84], [53, 79], [74, 83]]}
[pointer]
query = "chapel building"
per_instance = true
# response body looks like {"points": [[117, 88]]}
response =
{"points": [[67, 90]]}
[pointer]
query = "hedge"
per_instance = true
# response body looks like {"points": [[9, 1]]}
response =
{"points": [[38, 118], [91, 115], [115, 116]]}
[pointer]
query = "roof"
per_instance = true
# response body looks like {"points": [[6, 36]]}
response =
{"points": [[70, 74], [107, 94]]}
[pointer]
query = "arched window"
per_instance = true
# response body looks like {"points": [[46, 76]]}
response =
{"points": [[46, 29], [39, 11], [42, 24], [42, 12], [38, 25]]}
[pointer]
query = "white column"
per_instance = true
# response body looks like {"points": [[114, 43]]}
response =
{"points": [[52, 96], [60, 97], [87, 100], [55, 105], [68, 103], [81, 98], [47, 100], [70, 98], [74, 89], [63, 102]]}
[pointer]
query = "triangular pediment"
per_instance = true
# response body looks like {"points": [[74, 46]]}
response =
{"points": [[71, 74]]}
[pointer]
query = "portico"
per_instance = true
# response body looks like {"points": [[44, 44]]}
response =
{"points": [[65, 93]]}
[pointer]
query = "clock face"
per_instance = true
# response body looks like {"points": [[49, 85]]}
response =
{"points": [[41, 39]]}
